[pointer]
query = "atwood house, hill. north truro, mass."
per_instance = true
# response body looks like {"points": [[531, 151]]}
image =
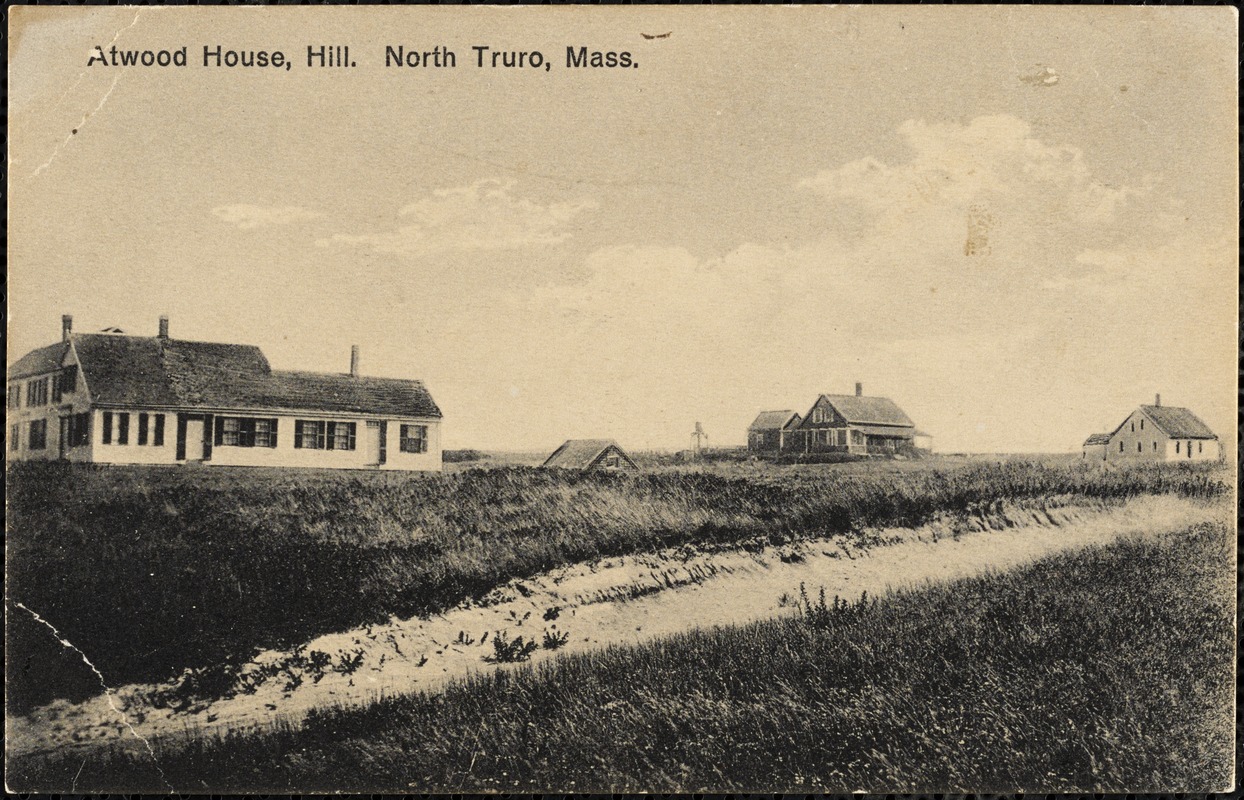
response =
{"points": [[110, 398]]}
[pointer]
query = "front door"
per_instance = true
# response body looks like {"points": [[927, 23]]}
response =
{"points": [[371, 443], [194, 439]]}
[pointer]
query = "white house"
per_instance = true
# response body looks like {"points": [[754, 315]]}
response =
{"points": [[109, 398], [1157, 433]]}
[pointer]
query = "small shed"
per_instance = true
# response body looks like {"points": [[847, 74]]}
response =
{"points": [[1095, 446], [587, 455]]}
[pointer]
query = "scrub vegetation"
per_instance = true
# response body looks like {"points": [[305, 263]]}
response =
{"points": [[1103, 669], [153, 571]]}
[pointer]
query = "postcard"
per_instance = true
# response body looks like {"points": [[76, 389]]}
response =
{"points": [[601, 399]]}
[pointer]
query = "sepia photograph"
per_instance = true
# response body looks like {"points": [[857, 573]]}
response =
{"points": [[614, 399]]}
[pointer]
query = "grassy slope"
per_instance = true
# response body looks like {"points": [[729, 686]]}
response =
{"points": [[150, 571], [1107, 669]]}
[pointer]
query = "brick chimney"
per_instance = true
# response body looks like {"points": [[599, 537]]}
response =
{"points": [[66, 326], [859, 389], [163, 326], [1157, 399], [354, 361]]}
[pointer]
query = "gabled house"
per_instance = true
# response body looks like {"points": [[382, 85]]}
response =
{"points": [[767, 433], [109, 398], [590, 455], [1162, 433], [855, 424]]}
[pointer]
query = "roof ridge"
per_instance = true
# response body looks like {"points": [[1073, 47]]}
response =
{"points": [[343, 375]]}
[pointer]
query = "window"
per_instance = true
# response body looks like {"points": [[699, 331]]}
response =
{"points": [[106, 433], [80, 429], [143, 422], [245, 432], [37, 392], [38, 434], [123, 428], [231, 431], [1120, 445], [158, 434], [309, 434], [341, 435], [1155, 447], [265, 433], [1139, 449], [1176, 448], [1142, 424], [414, 439], [1200, 447], [1133, 426], [14, 397], [15, 437], [69, 379]]}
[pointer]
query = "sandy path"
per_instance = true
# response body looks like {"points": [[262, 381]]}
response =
{"points": [[613, 601]]}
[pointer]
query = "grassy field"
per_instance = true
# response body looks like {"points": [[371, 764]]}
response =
{"points": [[1105, 669], [150, 571]]}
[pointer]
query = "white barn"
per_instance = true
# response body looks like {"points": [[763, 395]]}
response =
{"points": [[109, 398]]}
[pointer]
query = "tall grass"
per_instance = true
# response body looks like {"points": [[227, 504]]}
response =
{"points": [[150, 571], [1108, 669]]}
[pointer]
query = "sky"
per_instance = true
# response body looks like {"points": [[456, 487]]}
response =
{"points": [[1018, 223]]}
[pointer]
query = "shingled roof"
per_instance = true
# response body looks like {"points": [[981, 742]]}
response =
{"points": [[868, 410], [1097, 439], [772, 420], [38, 362], [1178, 423], [585, 454], [158, 372]]}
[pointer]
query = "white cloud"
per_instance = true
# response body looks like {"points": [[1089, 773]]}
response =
{"points": [[992, 160], [250, 217], [482, 216]]}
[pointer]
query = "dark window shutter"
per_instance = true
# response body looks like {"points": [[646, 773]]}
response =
{"points": [[298, 433], [384, 437], [272, 436], [220, 430], [123, 428], [181, 437], [208, 427], [158, 438], [107, 432], [143, 422]]}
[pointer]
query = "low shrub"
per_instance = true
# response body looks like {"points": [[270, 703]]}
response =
{"points": [[508, 651]]}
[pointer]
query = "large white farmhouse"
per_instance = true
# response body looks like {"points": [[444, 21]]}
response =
{"points": [[1156, 433], [109, 398]]}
